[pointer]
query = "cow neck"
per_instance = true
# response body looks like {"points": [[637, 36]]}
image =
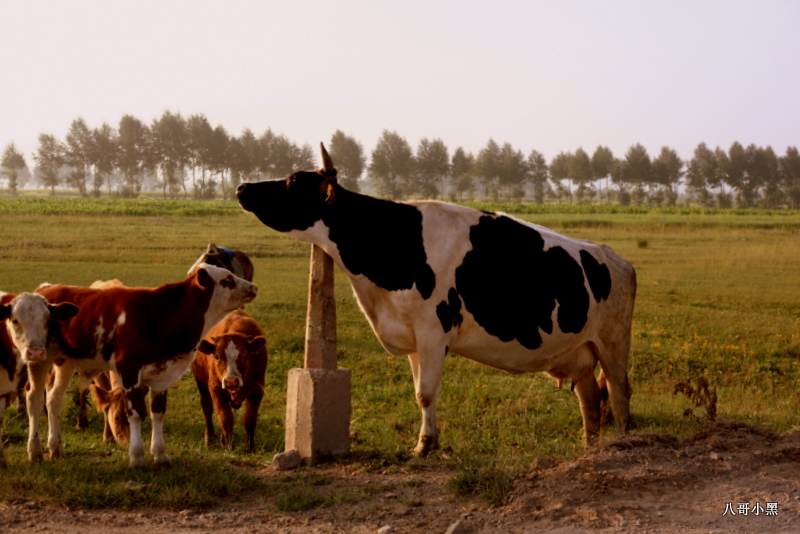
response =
{"points": [[370, 235], [179, 304]]}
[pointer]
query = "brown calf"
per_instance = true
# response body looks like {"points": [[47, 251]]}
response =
{"points": [[229, 370]]}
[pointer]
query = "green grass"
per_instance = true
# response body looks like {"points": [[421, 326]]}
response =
{"points": [[718, 297]]}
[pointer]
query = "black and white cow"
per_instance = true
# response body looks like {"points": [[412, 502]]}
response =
{"points": [[433, 277]]}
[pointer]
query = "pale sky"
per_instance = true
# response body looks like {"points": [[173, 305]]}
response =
{"points": [[547, 75]]}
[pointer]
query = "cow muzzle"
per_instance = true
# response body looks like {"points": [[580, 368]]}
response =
{"points": [[232, 382], [35, 355]]}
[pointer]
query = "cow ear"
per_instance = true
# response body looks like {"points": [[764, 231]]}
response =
{"points": [[101, 397], [206, 347], [212, 250], [256, 344], [204, 279], [63, 311], [5, 312], [328, 189]]}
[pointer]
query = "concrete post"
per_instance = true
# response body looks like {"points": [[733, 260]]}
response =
{"points": [[318, 397]]}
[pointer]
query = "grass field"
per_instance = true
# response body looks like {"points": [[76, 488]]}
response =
{"points": [[718, 297]]}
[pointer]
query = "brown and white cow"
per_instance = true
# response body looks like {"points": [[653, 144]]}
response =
{"points": [[229, 370], [146, 336], [433, 277], [24, 323], [235, 261]]}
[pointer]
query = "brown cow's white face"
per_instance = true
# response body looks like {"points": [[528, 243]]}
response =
{"points": [[27, 317], [232, 356]]}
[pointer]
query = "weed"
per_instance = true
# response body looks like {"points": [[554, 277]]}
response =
{"points": [[701, 394], [642, 243]]}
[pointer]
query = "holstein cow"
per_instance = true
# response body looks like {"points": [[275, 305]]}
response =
{"points": [[433, 277], [235, 261], [24, 323], [146, 336], [229, 370]]}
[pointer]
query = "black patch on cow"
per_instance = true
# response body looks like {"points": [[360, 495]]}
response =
{"points": [[598, 276], [511, 285], [381, 240], [448, 311]]}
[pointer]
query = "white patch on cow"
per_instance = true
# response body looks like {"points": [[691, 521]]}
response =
{"points": [[136, 448], [121, 319], [231, 355], [225, 299], [319, 234], [161, 376], [98, 338], [2, 294], [157, 446]]}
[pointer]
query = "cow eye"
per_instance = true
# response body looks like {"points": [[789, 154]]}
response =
{"points": [[216, 357]]}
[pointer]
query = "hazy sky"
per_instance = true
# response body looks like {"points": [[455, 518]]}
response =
{"points": [[546, 75]]}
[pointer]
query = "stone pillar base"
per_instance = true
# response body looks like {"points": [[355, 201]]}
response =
{"points": [[318, 413]]}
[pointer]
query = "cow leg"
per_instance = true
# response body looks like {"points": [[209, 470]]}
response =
{"points": [[22, 406], [37, 378], [55, 406], [135, 407], [158, 408], [427, 371], [251, 418], [589, 397], [225, 415], [2, 414], [614, 370], [208, 413], [84, 381]]}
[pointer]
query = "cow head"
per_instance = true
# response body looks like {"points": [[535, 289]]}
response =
{"points": [[233, 354], [294, 203], [228, 292], [112, 404], [27, 319]]}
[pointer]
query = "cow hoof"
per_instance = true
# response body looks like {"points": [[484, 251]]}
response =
{"points": [[56, 452], [83, 424], [162, 461], [426, 445]]}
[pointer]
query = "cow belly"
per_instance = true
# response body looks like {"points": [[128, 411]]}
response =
{"points": [[512, 357], [160, 376]]}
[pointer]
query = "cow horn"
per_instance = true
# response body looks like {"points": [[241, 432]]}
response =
{"points": [[327, 163]]}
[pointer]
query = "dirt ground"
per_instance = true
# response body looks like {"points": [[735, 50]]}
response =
{"points": [[643, 483]]}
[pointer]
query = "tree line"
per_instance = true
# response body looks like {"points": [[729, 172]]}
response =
{"points": [[188, 157]]}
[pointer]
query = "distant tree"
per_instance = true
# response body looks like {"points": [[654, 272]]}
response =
{"points": [[302, 157], [348, 156], [733, 166], [199, 146], [392, 166], [461, 168], [667, 173], [488, 165], [513, 172], [765, 167], [104, 156], [49, 159], [134, 147], [582, 174], [790, 174], [218, 162], [539, 174], [12, 162], [77, 154], [638, 171], [602, 165], [171, 148], [559, 172], [247, 159], [433, 167], [703, 173]]}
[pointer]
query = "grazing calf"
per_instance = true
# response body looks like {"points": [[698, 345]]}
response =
{"points": [[24, 323], [229, 369], [109, 399], [433, 277], [146, 336], [235, 261]]}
